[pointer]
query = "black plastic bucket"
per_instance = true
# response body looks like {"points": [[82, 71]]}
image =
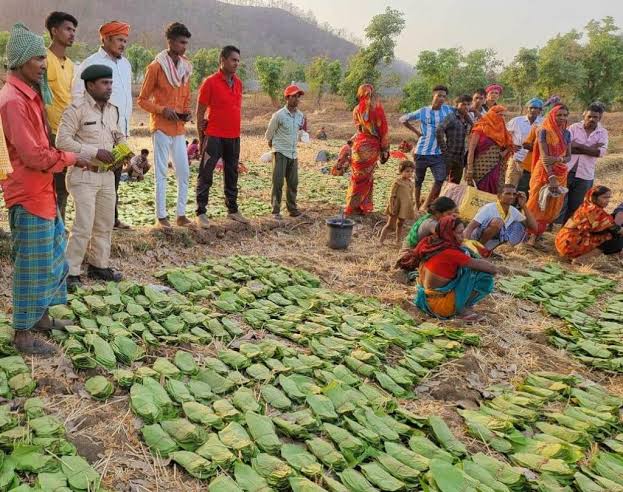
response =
{"points": [[340, 232]]}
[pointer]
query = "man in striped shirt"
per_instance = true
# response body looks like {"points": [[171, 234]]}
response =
{"points": [[427, 151]]}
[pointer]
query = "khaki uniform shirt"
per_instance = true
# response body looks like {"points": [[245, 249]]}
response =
{"points": [[85, 128]]}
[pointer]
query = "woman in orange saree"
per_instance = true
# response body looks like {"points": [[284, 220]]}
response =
{"points": [[549, 172], [591, 230], [370, 143], [488, 149]]}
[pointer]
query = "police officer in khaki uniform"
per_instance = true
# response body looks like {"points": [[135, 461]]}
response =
{"points": [[90, 128]]}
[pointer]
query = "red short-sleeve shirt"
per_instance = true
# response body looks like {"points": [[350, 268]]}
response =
{"points": [[224, 103], [446, 263]]}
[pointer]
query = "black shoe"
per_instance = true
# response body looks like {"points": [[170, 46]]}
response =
{"points": [[296, 213], [106, 274], [73, 282]]}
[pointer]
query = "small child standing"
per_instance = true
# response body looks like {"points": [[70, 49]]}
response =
{"points": [[401, 204]]}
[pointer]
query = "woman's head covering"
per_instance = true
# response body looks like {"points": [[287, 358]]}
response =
{"points": [[494, 87], [590, 216], [23, 44], [551, 103], [114, 28], [555, 137], [493, 126], [444, 238], [364, 95]]}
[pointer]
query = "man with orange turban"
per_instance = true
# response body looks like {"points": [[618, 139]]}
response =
{"points": [[114, 36]]}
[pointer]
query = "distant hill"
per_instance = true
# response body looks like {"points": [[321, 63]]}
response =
{"points": [[255, 30]]}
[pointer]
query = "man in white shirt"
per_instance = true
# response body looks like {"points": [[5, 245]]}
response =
{"points": [[519, 128], [114, 36], [500, 222]]}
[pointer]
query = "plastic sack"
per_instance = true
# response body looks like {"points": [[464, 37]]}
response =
{"points": [[469, 199]]}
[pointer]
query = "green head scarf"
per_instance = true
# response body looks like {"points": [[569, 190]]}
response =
{"points": [[23, 45]]}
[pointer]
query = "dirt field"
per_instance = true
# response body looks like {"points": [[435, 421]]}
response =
{"points": [[513, 335]]}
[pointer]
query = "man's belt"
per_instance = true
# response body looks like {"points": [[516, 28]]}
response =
{"points": [[92, 167]]}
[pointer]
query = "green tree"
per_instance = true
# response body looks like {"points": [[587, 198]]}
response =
{"points": [[560, 66], [293, 71], [478, 69], [522, 74], [602, 59], [439, 67], [334, 76], [139, 57], [416, 93], [363, 66], [317, 75], [4, 39], [270, 73], [205, 62], [461, 73]]}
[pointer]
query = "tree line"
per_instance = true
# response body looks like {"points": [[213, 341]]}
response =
{"points": [[580, 66]]}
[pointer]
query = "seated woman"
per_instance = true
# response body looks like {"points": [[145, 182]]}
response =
{"points": [[451, 280], [426, 224], [591, 230]]}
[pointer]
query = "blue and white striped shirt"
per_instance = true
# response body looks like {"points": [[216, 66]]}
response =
{"points": [[429, 119]]}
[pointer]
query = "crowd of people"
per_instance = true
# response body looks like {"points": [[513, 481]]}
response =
{"points": [[66, 131], [536, 170]]}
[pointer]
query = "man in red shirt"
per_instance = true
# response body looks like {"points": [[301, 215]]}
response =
{"points": [[38, 233], [218, 125]]}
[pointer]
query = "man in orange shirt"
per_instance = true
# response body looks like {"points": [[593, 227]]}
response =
{"points": [[166, 96], [218, 124], [39, 266]]}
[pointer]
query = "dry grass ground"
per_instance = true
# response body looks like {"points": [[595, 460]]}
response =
{"points": [[513, 334]]}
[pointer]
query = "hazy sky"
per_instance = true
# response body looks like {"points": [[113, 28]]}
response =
{"points": [[433, 24]]}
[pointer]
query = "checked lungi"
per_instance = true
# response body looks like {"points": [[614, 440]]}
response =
{"points": [[39, 266]]}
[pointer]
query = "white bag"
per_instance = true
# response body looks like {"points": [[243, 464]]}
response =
{"points": [[304, 136], [266, 157]]}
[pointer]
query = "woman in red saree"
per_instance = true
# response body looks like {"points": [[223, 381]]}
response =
{"points": [[549, 172], [591, 230], [369, 144]]}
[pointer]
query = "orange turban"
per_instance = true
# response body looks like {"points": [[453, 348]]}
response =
{"points": [[114, 28]]}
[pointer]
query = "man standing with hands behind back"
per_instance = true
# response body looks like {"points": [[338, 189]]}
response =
{"points": [[165, 95], [219, 108], [62, 29], [114, 36]]}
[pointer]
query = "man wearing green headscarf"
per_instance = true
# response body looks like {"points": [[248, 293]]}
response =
{"points": [[39, 266]]}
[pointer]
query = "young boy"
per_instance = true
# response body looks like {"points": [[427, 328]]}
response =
{"points": [[282, 137]]}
